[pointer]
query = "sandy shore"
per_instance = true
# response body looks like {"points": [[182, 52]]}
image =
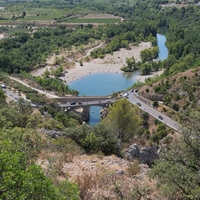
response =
{"points": [[110, 64], [143, 78]]}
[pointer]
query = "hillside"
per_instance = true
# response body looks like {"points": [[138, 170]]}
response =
{"points": [[179, 93]]}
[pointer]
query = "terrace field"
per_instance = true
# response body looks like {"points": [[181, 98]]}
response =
{"points": [[94, 20]]}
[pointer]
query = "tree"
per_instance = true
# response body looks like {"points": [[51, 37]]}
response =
{"points": [[2, 96], [95, 139], [46, 73], [23, 14], [22, 181], [123, 119], [177, 170]]}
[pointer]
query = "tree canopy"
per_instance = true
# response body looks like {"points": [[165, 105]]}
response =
{"points": [[123, 119], [177, 170]]}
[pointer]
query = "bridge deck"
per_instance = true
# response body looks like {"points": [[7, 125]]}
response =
{"points": [[81, 98]]}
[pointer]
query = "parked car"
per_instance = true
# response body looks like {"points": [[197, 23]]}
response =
{"points": [[138, 103], [132, 90], [72, 103], [160, 117]]}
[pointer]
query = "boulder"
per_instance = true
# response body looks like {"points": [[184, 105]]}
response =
{"points": [[145, 155], [52, 133]]}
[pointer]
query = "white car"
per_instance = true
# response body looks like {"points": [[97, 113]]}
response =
{"points": [[125, 94]]}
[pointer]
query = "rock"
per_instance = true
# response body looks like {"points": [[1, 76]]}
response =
{"points": [[104, 112], [120, 172], [145, 155], [52, 133]]}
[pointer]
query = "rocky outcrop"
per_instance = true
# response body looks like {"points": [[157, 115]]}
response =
{"points": [[51, 133], [152, 96], [145, 155], [104, 112]]}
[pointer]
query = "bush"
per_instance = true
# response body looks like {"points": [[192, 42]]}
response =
{"points": [[133, 168], [94, 139], [160, 134], [155, 104], [175, 107]]}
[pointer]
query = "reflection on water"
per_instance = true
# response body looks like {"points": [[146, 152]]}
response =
{"points": [[130, 75]]}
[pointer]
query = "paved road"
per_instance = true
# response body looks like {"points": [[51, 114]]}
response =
{"points": [[16, 98], [132, 97], [88, 103]]}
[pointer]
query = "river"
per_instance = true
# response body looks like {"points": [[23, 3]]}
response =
{"points": [[108, 83]]}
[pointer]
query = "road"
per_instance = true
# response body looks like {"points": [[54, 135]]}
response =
{"points": [[40, 91], [132, 97], [88, 103], [16, 98]]}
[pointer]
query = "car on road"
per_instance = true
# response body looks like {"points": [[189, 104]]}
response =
{"points": [[80, 103], [132, 90], [125, 95], [108, 101], [72, 103], [160, 117], [138, 103]]}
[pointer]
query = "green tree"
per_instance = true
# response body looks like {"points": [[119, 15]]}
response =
{"points": [[2, 96], [46, 73], [23, 14], [94, 139], [123, 119], [22, 181], [177, 170]]}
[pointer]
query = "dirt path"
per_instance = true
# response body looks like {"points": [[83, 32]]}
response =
{"points": [[88, 53]]}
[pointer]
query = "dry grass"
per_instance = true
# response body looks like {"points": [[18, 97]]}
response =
{"points": [[133, 168]]}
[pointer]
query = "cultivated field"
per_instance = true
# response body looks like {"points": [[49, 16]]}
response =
{"points": [[94, 20]]}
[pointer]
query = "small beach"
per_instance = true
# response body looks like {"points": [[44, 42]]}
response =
{"points": [[110, 63]]}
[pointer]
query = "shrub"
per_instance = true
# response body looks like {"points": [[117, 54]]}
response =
{"points": [[155, 103], [175, 107], [133, 168], [176, 97]]}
